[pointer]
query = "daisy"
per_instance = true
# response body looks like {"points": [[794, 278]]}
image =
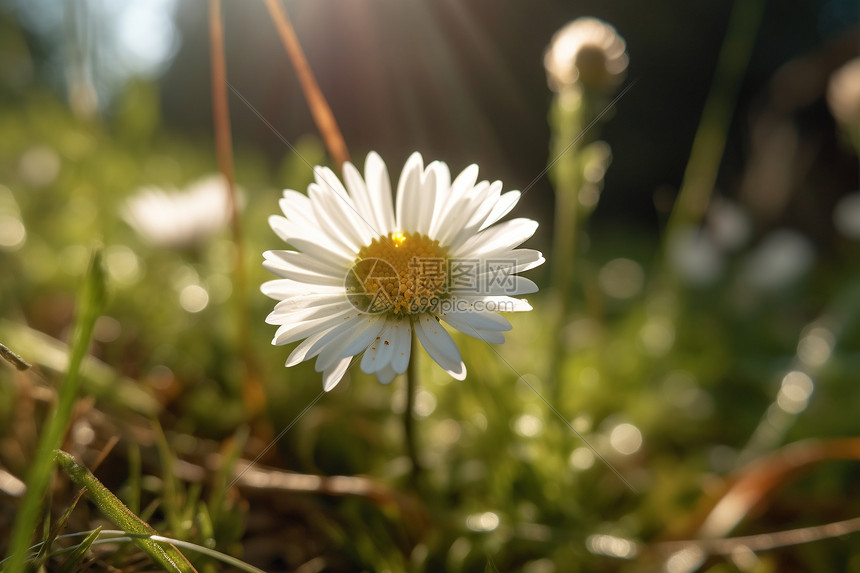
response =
{"points": [[179, 219], [366, 272]]}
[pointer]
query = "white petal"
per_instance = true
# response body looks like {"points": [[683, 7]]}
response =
{"points": [[332, 376], [361, 197], [402, 346], [503, 206], [443, 179], [492, 336], [461, 211], [333, 212], [289, 227], [289, 271], [425, 202], [379, 189], [313, 300], [311, 227], [297, 207], [504, 236], [499, 268], [287, 314], [439, 345], [378, 354], [510, 286], [345, 328], [311, 241], [368, 359], [335, 349], [409, 193], [364, 337], [431, 181], [458, 372], [292, 332], [359, 227], [302, 352], [464, 181], [386, 375], [280, 289], [462, 326], [516, 261], [314, 248], [494, 303], [326, 178], [448, 201], [479, 215], [295, 260], [485, 320]]}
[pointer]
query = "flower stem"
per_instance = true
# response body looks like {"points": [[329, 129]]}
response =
{"points": [[567, 119], [320, 109], [253, 394], [409, 414], [91, 301]]}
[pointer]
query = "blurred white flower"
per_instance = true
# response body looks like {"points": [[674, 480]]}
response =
{"points": [[39, 166], [728, 224], [695, 256], [781, 259], [13, 233], [367, 271], [621, 278], [846, 215], [586, 50], [843, 94], [179, 218]]}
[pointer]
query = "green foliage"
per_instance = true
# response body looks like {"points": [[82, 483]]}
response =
{"points": [[91, 301], [167, 557]]}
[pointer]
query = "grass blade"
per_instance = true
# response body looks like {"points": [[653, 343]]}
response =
{"points": [[97, 378], [71, 564], [90, 303], [165, 555]]}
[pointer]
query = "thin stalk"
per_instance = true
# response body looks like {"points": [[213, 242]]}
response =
{"points": [[564, 247], [566, 122], [409, 414], [320, 109], [221, 111], [252, 390], [565, 235], [90, 303], [166, 556], [710, 139]]}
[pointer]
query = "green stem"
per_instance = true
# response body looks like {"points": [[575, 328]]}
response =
{"points": [[90, 303], [164, 555], [409, 414], [566, 123], [710, 140], [567, 119]]}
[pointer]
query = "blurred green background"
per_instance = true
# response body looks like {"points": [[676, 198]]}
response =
{"points": [[689, 360]]}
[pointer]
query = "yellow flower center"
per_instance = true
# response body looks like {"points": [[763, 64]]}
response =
{"points": [[401, 274]]}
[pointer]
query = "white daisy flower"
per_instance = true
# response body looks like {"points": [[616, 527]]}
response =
{"points": [[366, 272], [179, 219], [586, 50]]}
